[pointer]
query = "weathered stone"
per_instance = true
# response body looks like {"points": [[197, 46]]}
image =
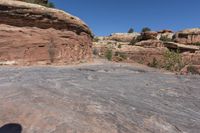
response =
{"points": [[191, 58], [150, 43], [191, 69], [32, 34], [188, 36], [123, 37], [143, 55], [149, 35], [181, 47]]}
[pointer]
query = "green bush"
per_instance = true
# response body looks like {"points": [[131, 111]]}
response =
{"points": [[131, 30], [49, 4], [197, 44], [119, 46], [173, 61], [154, 63], [109, 54], [145, 29]]}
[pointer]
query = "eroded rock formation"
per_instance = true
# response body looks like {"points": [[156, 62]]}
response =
{"points": [[188, 36], [123, 37], [33, 34]]}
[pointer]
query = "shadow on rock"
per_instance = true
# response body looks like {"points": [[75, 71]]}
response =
{"points": [[11, 128]]}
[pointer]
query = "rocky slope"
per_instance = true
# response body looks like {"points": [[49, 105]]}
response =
{"points": [[33, 34], [152, 48]]}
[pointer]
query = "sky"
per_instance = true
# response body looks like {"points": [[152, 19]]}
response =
{"points": [[110, 16]]}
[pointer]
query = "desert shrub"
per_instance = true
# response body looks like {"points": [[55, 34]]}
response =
{"points": [[121, 55], [197, 44], [95, 51], [145, 29], [131, 30], [96, 39], [109, 54], [154, 63], [119, 46], [165, 39], [49, 4], [173, 61], [192, 70], [135, 40]]}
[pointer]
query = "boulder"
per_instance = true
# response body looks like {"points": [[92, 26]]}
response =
{"points": [[33, 34], [150, 43], [188, 36]]}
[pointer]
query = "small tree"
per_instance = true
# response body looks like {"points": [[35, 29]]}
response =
{"points": [[131, 30], [145, 29], [50, 4]]}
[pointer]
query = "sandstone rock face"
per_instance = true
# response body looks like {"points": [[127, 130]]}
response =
{"points": [[143, 55], [123, 37], [33, 34], [191, 58], [191, 69], [181, 47], [150, 43], [149, 35], [188, 36]]}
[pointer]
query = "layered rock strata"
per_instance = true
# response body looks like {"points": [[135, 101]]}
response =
{"points": [[33, 34]]}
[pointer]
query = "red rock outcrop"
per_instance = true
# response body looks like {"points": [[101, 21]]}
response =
{"points": [[181, 47], [123, 37], [150, 43], [191, 58], [191, 69], [149, 35], [33, 34], [188, 36]]}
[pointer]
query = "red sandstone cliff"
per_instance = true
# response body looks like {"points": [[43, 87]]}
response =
{"points": [[33, 34]]}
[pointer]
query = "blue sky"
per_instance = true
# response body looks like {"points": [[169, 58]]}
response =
{"points": [[109, 16]]}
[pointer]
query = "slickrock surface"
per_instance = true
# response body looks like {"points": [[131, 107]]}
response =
{"points": [[33, 34], [99, 98]]}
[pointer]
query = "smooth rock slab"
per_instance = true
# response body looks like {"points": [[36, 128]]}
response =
{"points": [[104, 98]]}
